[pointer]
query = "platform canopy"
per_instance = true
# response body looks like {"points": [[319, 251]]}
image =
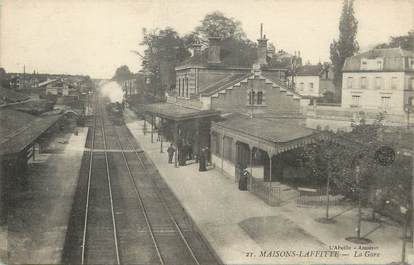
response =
{"points": [[271, 135], [18, 129], [177, 112]]}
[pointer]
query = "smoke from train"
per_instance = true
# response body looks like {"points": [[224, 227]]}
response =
{"points": [[113, 91]]}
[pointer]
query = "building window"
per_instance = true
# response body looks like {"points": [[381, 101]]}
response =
{"points": [[412, 83], [385, 102], [379, 65], [355, 100], [186, 87], [349, 82], [364, 65], [378, 82], [310, 86], [259, 98], [394, 82], [364, 82], [301, 86], [252, 97], [179, 87], [412, 63]]}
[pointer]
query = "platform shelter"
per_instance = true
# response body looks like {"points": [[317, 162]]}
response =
{"points": [[242, 142], [20, 136], [180, 124]]}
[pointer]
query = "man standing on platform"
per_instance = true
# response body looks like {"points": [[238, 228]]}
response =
{"points": [[203, 160], [170, 151]]}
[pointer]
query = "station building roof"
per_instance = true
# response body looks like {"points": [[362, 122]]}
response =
{"points": [[19, 129], [274, 130], [177, 112], [227, 81], [275, 135]]}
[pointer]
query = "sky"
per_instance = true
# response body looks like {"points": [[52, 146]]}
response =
{"points": [[94, 37]]}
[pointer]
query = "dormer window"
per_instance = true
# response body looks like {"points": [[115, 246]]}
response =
{"points": [[372, 64]]}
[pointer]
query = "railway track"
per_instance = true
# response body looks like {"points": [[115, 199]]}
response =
{"points": [[130, 216], [93, 230]]}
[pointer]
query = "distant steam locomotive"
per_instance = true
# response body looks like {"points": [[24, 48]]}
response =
{"points": [[115, 112]]}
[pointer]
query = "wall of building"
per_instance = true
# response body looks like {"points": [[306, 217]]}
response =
{"points": [[237, 98], [199, 78], [371, 97], [227, 166], [307, 90]]}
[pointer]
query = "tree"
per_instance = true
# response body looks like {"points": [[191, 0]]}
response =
{"points": [[122, 73], [3, 78], [405, 42], [346, 45], [236, 49], [216, 24], [377, 182], [164, 49]]}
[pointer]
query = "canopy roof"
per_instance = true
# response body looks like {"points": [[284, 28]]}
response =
{"points": [[18, 129], [274, 135]]}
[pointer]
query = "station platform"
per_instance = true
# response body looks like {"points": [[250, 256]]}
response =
{"points": [[39, 214], [242, 229]]}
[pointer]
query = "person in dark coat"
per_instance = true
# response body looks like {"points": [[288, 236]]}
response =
{"points": [[202, 161], [170, 151], [182, 153], [190, 151]]}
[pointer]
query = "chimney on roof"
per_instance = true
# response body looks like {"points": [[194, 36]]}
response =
{"points": [[262, 48], [197, 49], [214, 50]]}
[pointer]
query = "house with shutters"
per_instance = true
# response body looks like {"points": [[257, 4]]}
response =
{"points": [[379, 79]]}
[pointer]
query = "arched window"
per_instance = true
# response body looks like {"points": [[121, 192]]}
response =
{"points": [[252, 97], [259, 98]]}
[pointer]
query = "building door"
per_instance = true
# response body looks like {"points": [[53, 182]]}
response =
{"points": [[242, 155]]}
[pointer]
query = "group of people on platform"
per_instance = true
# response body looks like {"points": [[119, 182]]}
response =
{"points": [[185, 152]]}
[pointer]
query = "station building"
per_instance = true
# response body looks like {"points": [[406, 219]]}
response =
{"points": [[195, 97], [20, 137], [250, 118]]}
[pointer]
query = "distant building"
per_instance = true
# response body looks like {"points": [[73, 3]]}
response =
{"points": [[314, 80], [133, 85], [57, 87], [380, 79], [373, 82], [307, 80]]}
